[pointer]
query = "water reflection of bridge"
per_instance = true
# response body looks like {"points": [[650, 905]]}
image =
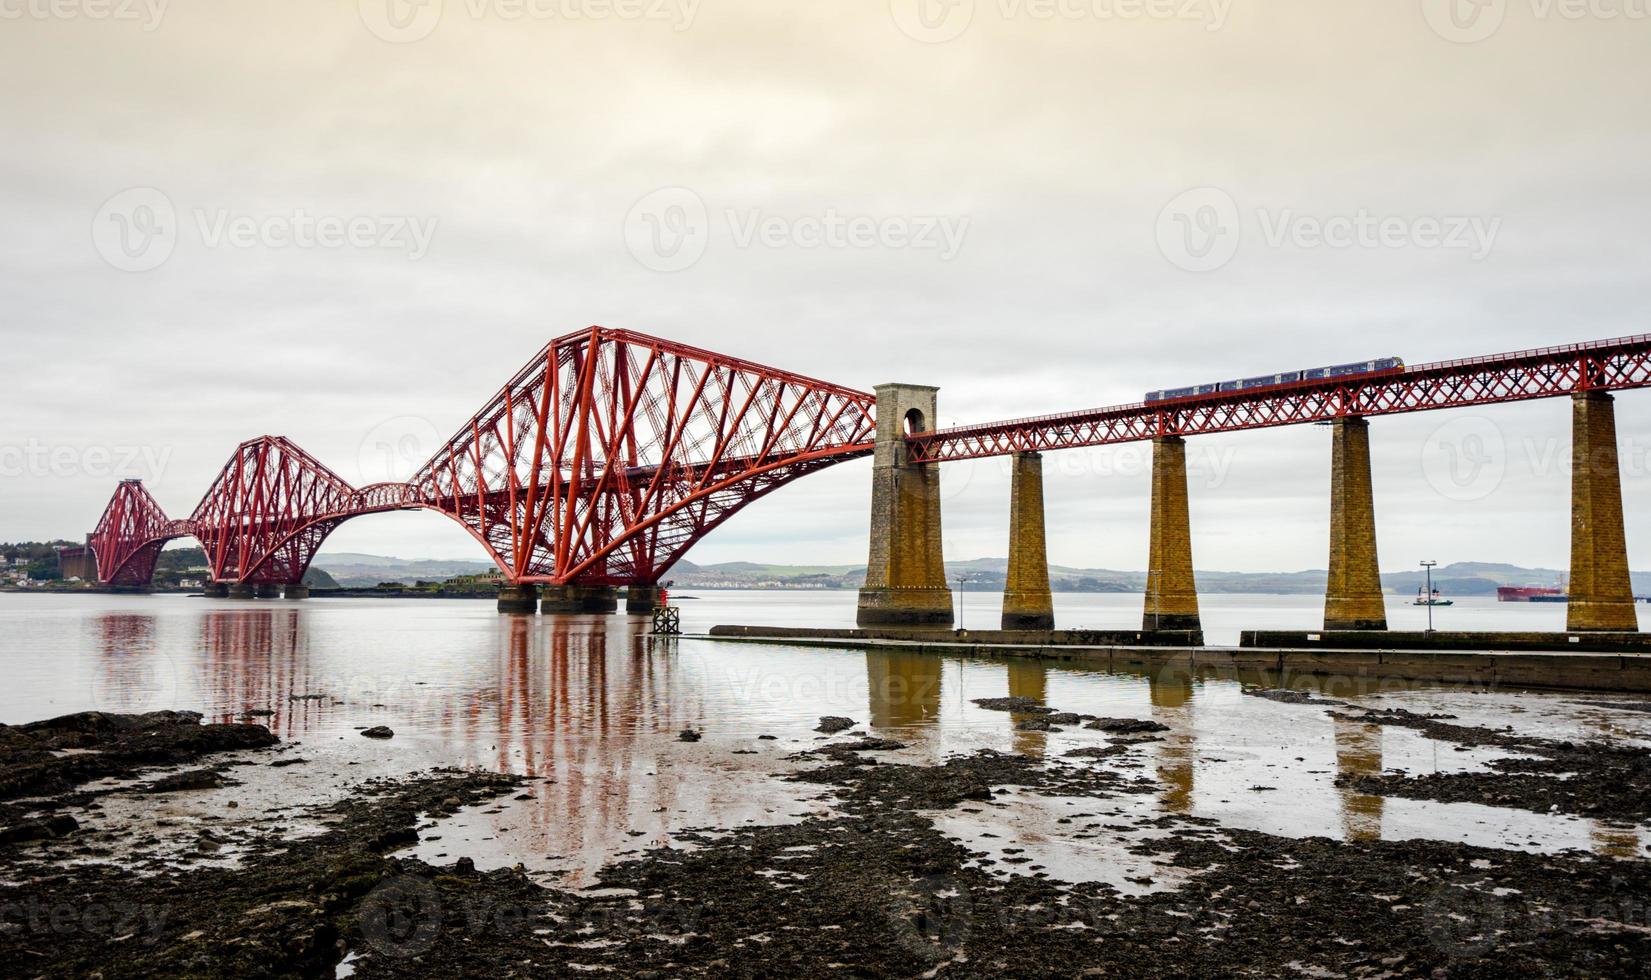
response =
{"points": [[587, 705]]}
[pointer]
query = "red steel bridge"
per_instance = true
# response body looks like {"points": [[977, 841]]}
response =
{"points": [[611, 453]]}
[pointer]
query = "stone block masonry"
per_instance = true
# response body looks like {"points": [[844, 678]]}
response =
{"points": [[905, 573]]}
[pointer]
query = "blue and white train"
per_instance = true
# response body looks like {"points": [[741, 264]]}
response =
{"points": [[1267, 380]]}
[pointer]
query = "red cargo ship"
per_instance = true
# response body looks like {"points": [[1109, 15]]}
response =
{"points": [[1530, 593]]}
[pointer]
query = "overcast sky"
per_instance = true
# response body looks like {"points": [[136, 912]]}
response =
{"points": [[350, 223]]}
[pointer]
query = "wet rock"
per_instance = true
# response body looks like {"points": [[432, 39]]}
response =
{"points": [[688, 735], [1097, 752], [1042, 724], [1017, 704], [33, 761], [768, 738], [1062, 718], [193, 779], [46, 828], [1284, 696], [378, 731], [1593, 779], [831, 724], [1126, 726], [867, 745]]}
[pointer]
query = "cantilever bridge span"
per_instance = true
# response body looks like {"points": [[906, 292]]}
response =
{"points": [[611, 453], [599, 463]]}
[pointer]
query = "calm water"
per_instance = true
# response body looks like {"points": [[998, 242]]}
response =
{"points": [[592, 708]]}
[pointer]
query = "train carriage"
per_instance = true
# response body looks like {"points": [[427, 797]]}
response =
{"points": [[1377, 366]]}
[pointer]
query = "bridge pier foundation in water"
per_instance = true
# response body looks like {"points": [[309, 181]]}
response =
{"points": [[1028, 603], [905, 574], [522, 598], [296, 592], [241, 590], [1601, 597], [1172, 593], [581, 599], [267, 590], [643, 600], [1353, 596], [215, 590]]}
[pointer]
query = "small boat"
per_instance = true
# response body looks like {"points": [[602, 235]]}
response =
{"points": [[1436, 599]]}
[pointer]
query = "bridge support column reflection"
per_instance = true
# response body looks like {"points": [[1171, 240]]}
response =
{"points": [[1028, 679], [1169, 688], [905, 576], [1027, 602], [1359, 753], [1172, 593], [1601, 596], [1353, 596], [903, 688]]}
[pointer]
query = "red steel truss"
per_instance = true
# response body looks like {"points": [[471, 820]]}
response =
{"points": [[1605, 365], [611, 453], [129, 537], [601, 462]]}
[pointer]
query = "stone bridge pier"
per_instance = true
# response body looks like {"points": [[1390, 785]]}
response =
{"points": [[1602, 599], [1027, 601], [1353, 596], [1172, 592], [906, 572]]}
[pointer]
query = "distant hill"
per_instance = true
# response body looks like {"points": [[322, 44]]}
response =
{"points": [[351, 569], [983, 575]]}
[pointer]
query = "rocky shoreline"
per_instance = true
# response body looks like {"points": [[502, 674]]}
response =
{"points": [[871, 888]]}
